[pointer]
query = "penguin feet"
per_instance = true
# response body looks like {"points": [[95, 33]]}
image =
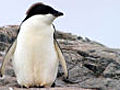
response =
{"points": [[18, 86], [36, 85]]}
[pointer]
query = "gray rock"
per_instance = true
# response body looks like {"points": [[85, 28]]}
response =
{"points": [[91, 65]]}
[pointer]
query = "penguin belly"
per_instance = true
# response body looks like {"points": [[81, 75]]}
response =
{"points": [[35, 60]]}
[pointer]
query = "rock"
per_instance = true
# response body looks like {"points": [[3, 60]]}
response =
{"points": [[7, 36], [57, 88], [91, 65], [101, 84], [112, 71]]}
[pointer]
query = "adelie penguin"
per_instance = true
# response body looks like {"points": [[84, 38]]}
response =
{"points": [[36, 52]]}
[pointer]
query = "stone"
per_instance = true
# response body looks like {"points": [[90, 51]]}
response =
{"points": [[91, 65]]}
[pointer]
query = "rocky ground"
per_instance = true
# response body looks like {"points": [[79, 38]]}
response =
{"points": [[91, 65]]}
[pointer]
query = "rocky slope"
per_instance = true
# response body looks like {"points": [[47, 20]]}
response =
{"points": [[91, 65]]}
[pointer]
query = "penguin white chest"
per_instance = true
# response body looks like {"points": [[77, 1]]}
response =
{"points": [[35, 60]]}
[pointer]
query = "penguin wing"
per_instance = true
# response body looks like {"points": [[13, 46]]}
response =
{"points": [[7, 57], [60, 55], [61, 58], [10, 52]]}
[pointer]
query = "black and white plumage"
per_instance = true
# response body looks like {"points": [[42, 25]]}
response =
{"points": [[36, 53]]}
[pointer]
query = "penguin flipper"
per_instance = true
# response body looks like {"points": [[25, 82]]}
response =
{"points": [[7, 57], [61, 58]]}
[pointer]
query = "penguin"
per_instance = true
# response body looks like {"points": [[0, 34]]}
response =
{"points": [[35, 52]]}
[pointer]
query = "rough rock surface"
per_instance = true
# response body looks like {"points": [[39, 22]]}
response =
{"points": [[91, 65]]}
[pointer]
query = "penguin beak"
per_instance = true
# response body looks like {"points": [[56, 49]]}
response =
{"points": [[57, 14]]}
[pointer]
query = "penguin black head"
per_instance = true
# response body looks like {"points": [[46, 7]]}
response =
{"points": [[42, 9]]}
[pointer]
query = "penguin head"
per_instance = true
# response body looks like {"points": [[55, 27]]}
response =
{"points": [[45, 11]]}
